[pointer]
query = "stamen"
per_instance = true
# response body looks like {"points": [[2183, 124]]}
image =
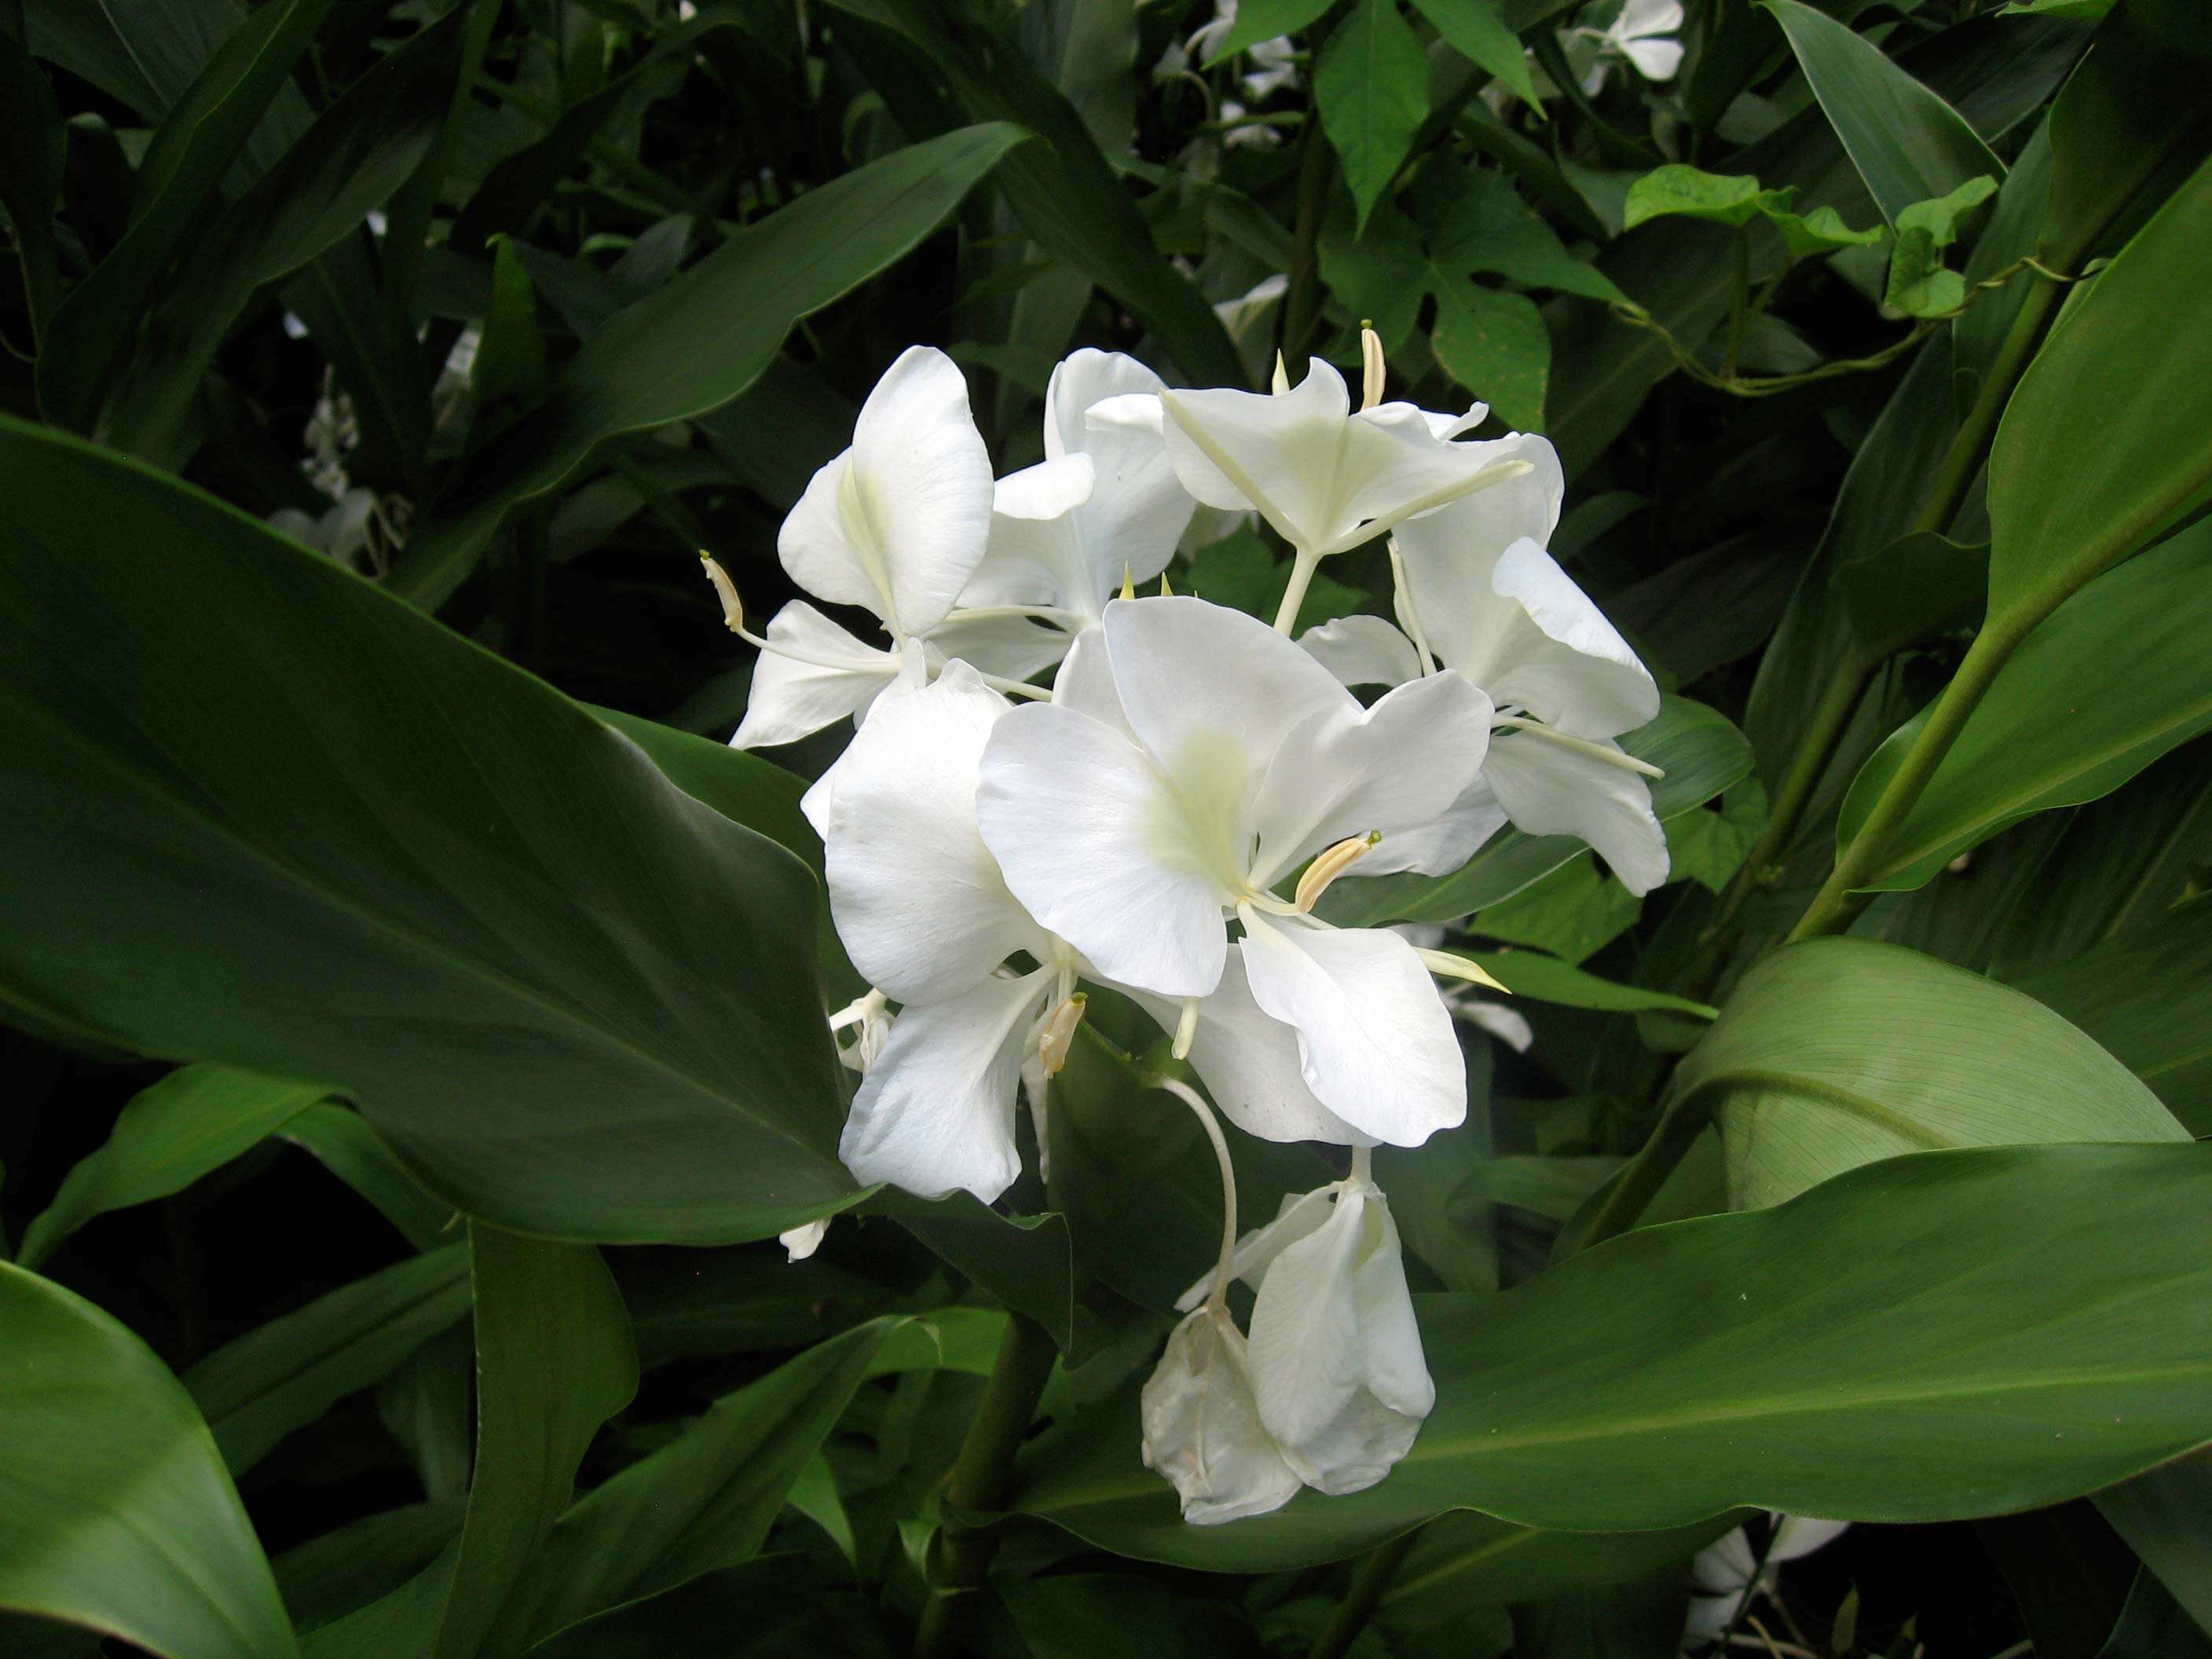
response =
{"points": [[1409, 618], [1218, 1296], [1186, 1031], [1370, 363], [1331, 863], [1282, 381], [1128, 587], [1058, 1032], [1596, 751], [1445, 966], [733, 618], [734, 608]]}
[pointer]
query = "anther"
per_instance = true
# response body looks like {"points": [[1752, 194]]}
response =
{"points": [[1371, 362], [733, 608], [1331, 863], [1060, 1033]]}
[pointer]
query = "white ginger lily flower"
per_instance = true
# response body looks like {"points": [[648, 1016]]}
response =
{"points": [[1722, 1576], [1194, 761], [1338, 1371], [1060, 552], [1480, 594], [1202, 1428], [1633, 37], [1508, 1025], [1327, 478]]}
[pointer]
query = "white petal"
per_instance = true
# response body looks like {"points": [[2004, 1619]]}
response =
{"points": [[1449, 554], [918, 901], [1648, 17], [1047, 489], [1300, 1215], [1654, 60], [1395, 769], [1250, 1062], [1133, 411], [1552, 652], [912, 674], [1509, 1025], [1097, 844], [1446, 843], [1138, 510], [1279, 455], [1549, 790], [1202, 1425], [898, 522], [1801, 1534], [790, 699], [1725, 1565], [1085, 683], [800, 1241], [1012, 647], [1363, 651], [936, 1115], [1376, 1042], [1336, 1355]]}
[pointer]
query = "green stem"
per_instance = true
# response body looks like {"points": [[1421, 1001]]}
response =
{"points": [[980, 1481], [1640, 1179], [1302, 302], [1964, 457], [1739, 302], [1369, 1580]]}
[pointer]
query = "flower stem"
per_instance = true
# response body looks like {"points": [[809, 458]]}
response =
{"points": [[980, 1481], [1369, 1580], [1189, 1096]]}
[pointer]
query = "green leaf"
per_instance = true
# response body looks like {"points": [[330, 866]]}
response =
{"points": [[1837, 1052], [1919, 286], [2139, 994], [1263, 19], [1372, 87], [2154, 1624], [287, 1373], [1465, 1560], [1494, 344], [1907, 143], [32, 151], [327, 1577], [120, 1515], [1709, 847], [1488, 227], [1547, 979], [1907, 589], [190, 1124], [342, 1141], [511, 366], [703, 1501], [1821, 231], [652, 1065], [1679, 190], [1697, 748], [1474, 29], [2163, 1516], [1573, 913], [2088, 11], [2064, 504], [554, 1359], [778, 1602], [2117, 677], [697, 343], [1924, 1338], [1108, 1615]]}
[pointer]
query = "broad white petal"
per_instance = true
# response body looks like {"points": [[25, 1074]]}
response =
{"points": [[898, 522], [1202, 1425], [1250, 1062], [1550, 790], [1138, 513], [1085, 683], [1726, 1564], [1395, 469], [1509, 1025], [1446, 841], [1300, 1215], [1394, 768], [1363, 651], [913, 666], [1801, 1534], [1045, 490], [790, 699], [1553, 653], [800, 1241], [1098, 846], [1012, 647], [936, 1115], [1336, 1357], [1648, 17], [1654, 60], [918, 900], [1449, 554], [1376, 1042], [1281, 454]]}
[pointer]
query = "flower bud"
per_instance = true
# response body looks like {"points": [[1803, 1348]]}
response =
{"points": [[1202, 1425]]}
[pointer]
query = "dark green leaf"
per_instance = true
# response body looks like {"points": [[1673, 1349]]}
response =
{"points": [[1493, 344], [1372, 87], [1547, 979], [2163, 1516], [342, 1141], [1919, 285], [1678, 191], [1263, 19], [1474, 29], [1465, 1560]]}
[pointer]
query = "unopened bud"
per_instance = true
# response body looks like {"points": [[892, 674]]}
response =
{"points": [[1371, 362], [1060, 1032], [733, 608], [1445, 966], [1331, 862]]}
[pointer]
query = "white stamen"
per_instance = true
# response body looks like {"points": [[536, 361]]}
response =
{"points": [[1581, 745], [1058, 1032], [1189, 1096], [1370, 364], [1330, 864]]}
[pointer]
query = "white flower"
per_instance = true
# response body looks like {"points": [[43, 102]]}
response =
{"points": [[1249, 309], [1327, 478], [1202, 1429], [1196, 761], [1336, 1362], [1274, 67], [1632, 37], [1508, 1025], [1483, 597], [800, 1241], [1723, 1573], [1206, 39]]}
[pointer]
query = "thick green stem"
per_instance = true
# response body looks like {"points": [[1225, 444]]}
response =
{"points": [[1301, 301], [1964, 457], [980, 1481], [1369, 1580], [1678, 1127]]}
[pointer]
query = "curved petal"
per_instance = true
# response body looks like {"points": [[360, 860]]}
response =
{"points": [[1045, 490], [1550, 790], [918, 900], [1276, 452], [1553, 653], [1639, 17], [1085, 683], [1300, 1215], [1449, 554], [1202, 1425], [1395, 469], [1654, 60], [1376, 1042], [1392, 769], [1446, 841], [1012, 647], [898, 523], [1140, 509], [790, 698], [1098, 845], [1250, 1063], [936, 1113], [1363, 651]]}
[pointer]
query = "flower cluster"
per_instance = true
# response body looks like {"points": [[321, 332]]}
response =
{"points": [[1161, 819]]}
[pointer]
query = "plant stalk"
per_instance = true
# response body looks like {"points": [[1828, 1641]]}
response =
{"points": [[980, 1481], [1677, 1131], [1301, 301], [1369, 1580]]}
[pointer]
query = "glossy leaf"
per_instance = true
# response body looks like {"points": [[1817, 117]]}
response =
{"points": [[1476, 30], [1679, 190], [188, 1125], [289, 1371], [654, 1067], [2117, 677], [1465, 1560], [1263, 19], [1924, 1338], [1907, 143], [1493, 344], [120, 1515], [697, 343], [554, 1359], [1372, 87], [1837, 1052]]}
